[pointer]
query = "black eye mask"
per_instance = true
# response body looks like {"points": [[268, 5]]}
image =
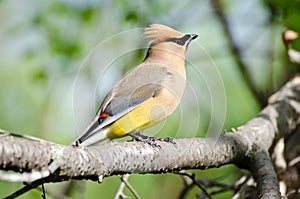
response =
{"points": [[180, 41]]}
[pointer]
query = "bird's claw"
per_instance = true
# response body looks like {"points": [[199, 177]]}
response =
{"points": [[167, 139]]}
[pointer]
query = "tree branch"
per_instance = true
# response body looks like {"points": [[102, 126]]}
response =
{"points": [[236, 51], [263, 171], [120, 157], [280, 117]]}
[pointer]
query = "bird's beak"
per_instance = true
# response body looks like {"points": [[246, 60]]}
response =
{"points": [[193, 36]]}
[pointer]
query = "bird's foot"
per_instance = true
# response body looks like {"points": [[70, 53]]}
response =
{"points": [[150, 140], [167, 139], [145, 139]]}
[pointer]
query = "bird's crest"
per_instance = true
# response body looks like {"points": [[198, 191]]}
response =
{"points": [[158, 33]]}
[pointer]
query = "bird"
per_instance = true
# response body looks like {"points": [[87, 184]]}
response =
{"points": [[148, 94]]}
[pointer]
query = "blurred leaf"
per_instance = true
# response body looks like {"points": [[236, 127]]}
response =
{"points": [[39, 76]]}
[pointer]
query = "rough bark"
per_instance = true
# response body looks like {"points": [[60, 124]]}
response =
{"points": [[246, 147]]}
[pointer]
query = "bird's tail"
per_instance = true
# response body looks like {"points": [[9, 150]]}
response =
{"points": [[92, 135], [98, 136]]}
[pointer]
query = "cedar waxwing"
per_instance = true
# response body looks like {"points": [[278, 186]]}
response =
{"points": [[146, 95]]}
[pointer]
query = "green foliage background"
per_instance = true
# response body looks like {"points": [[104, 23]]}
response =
{"points": [[44, 43]]}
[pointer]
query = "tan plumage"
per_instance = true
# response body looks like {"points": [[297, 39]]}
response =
{"points": [[146, 95], [157, 33]]}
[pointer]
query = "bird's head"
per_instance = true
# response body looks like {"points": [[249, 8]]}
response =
{"points": [[164, 38]]}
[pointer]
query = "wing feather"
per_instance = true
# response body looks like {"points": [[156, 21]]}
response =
{"points": [[130, 92]]}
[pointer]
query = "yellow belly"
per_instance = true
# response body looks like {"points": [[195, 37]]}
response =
{"points": [[147, 114]]}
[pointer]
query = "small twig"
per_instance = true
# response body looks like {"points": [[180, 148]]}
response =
{"points": [[120, 193], [235, 50], [194, 182], [188, 185], [27, 188], [237, 186], [212, 183], [241, 185], [43, 192], [190, 181], [288, 36], [278, 153], [294, 191], [53, 194], [294, 161], [124, 182]]}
